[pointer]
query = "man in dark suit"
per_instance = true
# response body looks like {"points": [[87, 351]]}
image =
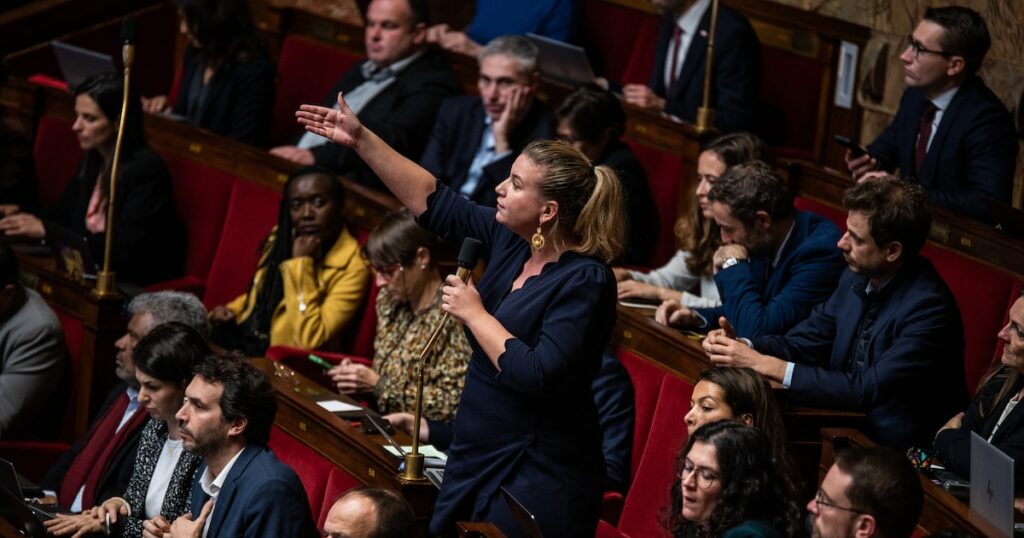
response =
{"points": [[889, 342], [476, 139], [242, 488], [396, 92], [775, 263], [680, 57], [951, 133], [99, 466]]}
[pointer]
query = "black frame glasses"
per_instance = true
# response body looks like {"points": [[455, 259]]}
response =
{"points": [[918, 48], [820, 500]]}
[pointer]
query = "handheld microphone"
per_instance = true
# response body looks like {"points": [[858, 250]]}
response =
{"points": [[128, 42], [469, 254]]}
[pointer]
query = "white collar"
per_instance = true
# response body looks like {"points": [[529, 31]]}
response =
{"points": [[942, 101], [778, 253], [690, 18], [212, 485]]}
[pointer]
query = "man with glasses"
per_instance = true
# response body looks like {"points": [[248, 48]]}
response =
{"points": [[951, 133], [867, 492]]}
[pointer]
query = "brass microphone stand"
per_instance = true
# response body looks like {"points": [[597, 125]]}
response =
{"points": [[106, 282], [706, 114]]}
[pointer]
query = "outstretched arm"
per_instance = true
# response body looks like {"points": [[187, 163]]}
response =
{"points": [[409, 182]]}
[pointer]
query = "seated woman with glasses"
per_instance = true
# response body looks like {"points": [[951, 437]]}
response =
{"points": [[310, 280], [403, 257], [729, 484], [691, 267]]}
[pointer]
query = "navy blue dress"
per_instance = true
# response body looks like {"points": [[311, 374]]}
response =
{"points": [[532, 427]]}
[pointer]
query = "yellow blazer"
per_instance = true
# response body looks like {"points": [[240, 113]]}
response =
{"points": [[319, 300]]}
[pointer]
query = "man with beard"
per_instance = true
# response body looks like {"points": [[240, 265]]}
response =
{"points": [[99, 466], [775, 263], [888, 343], [868, 492], [243, 489]]}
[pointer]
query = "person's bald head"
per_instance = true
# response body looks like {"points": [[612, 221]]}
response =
{"points": [[369, 512]]}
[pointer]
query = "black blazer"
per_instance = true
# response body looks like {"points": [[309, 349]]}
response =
{"points": [[240, 98], [114, 481], [149, 242], [953, 446], [456, 139], [972, 156], [401, 115], [737, 71]]}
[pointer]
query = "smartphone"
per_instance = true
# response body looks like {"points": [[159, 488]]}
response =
{"points": [[856, 150]]}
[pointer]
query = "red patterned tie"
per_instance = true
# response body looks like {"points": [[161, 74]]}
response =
{"points": [[677, 42], [924, 133]]}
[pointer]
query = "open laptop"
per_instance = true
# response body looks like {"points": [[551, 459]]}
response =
{"points": [[527, 523], [72, 252], [11, 485], [992, 484], [78, 64], [563, 62]]}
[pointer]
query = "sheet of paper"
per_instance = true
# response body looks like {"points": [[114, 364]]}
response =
{"points": [[428, 451], [638, 304], [337, 406]]}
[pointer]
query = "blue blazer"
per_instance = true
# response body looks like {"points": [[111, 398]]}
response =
{"points": [[973, 154], [456, 139], [260, 497], [913, 378], [737, 71], [757, 303]]}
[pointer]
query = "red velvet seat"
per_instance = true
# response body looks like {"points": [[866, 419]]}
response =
{"points": [[647, 379], [785, 118], [313, 469], [56, 153], [251, 213], [201, 195], [626, 54], [981, 293], [664, 175], [306, 71], [338, 482], [650, 489]]}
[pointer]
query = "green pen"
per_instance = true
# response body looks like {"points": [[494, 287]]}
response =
{"points": [[320, 362]]}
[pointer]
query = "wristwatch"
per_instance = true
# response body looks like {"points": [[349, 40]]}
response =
{"points": [[731, 261]]}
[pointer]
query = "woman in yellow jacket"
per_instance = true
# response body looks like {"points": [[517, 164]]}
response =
{"points": [[311, 279]]}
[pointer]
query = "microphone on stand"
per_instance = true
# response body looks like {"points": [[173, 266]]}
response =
{"points": [[106, 283], [469, 254]]}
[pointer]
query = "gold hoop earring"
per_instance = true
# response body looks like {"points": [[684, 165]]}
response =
{"points": [[537, 241]]}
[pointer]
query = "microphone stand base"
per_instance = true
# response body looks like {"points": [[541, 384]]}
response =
{"points": [[106, 284], [413, 466]]}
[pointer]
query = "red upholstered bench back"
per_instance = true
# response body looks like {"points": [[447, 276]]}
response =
{"points": [[646, 378], [313, 469], [56, 153], [620, 41], [338, 482], [834, 214], [785, 117], [306, 71], [653, 480], [251, 213], [664, 175], [981, 292], [201, 194]]}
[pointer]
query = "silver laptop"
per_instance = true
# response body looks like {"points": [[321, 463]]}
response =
{"points": [[77, 63], [563, 62], [992, 484]]}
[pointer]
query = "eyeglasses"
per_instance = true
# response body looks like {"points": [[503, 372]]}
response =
{"points": [[705, 476], [918, 48], [820, 500]]}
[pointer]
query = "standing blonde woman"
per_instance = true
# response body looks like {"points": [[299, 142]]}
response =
{"points": [[538, 322]]}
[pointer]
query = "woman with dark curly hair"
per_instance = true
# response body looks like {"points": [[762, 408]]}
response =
{"points": [[729, 484]]}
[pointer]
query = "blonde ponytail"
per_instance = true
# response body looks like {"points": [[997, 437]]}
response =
{"points": [[600, 225]]}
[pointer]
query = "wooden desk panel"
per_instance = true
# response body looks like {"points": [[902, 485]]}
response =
{"points": [[361, 455], [941, 510]]}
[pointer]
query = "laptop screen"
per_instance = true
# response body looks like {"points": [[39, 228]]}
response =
{"points": [[991, 484]]}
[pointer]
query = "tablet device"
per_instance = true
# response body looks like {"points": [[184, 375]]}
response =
{"points": [[77, 63], [72, 252], [563, 62], [526, 521]]}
